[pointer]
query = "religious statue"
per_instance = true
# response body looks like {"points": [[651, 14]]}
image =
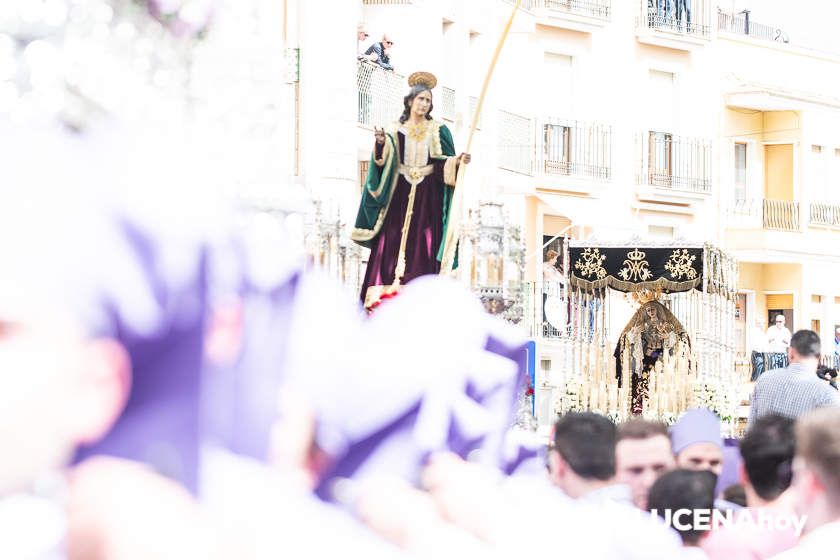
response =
{"points": [[653, 341], [407, 195]]}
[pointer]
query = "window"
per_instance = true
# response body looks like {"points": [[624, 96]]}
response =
{"points": [[557, 149], [816, 149], [660, 158], [740, 171], [666, 232]]}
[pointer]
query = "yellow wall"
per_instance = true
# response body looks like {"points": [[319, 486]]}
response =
{"points": [[553, 225], [744, 123], [779, 301], [778, 171], [781, 126], [785, 278], [751, 277]]}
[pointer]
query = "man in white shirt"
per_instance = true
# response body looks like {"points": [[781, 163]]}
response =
{"points": [[778, 336], [778, 341], [816, 484]]}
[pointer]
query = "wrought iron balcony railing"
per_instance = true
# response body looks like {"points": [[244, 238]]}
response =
{"points": [[676, 162], [601, 9], [516, 143], [546, 310], [743, 25], [447, 105], [781, 215], [825, 214], [684, 17], [386, 2], [576, 148], [380, 94]]}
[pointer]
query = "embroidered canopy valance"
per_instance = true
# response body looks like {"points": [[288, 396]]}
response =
{"points": [[634, 268]]}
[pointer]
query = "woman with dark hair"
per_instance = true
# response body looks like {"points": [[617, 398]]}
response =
{"points": [[405, 202]]}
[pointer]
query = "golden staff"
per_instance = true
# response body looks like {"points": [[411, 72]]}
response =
{"points": [[454, 225]]}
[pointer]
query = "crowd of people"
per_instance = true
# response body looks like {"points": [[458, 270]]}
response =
{"points": [[174, 396], [169, 390]]}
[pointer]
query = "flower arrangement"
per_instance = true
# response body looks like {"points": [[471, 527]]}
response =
{"points": [[714, 396], [569, 399]]}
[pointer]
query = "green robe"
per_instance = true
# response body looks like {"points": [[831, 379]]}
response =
{"points": [[380, 182]]}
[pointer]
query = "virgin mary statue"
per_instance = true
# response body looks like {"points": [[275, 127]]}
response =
{"points": [[405, 202], [654, 344]]}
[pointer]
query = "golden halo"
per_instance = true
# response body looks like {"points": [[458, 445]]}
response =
{"points": [[425, 78]]}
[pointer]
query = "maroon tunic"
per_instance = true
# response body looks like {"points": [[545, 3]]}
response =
{"points": [[425, 232]]}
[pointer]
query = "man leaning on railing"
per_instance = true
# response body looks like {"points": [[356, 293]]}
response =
{"points": [[382, 52]]}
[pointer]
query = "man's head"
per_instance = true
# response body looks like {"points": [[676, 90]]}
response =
{"points": [[642, 454], [816, 467], [696, 441], [837, 334], [805, 348], [582, 456], [683, 489], [551, 257], [387, 41], [767, 450], [361, 32], [780, 320]]}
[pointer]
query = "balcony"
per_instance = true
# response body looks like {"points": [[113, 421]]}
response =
{"points": [[675, 24], [516, 143], [447, 111], [825, 214], [380, 95], [768, 230], [741, 24], [546, 310], [576, 149], [674, 163], [781, 215], [578, 15]]}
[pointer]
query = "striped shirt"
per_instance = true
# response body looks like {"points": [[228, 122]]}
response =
{"points": [[790, 391]]}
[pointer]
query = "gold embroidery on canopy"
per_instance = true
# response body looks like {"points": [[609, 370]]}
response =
{"points": [[590, 263], [681, 264], [635, 267]]}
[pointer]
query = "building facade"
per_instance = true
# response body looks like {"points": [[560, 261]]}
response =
{"points": [[660, 120]]}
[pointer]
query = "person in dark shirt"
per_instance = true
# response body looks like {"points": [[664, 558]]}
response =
{"points": [[382, 50]]}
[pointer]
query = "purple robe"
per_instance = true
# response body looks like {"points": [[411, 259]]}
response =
{"points": [[425, 232]]}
